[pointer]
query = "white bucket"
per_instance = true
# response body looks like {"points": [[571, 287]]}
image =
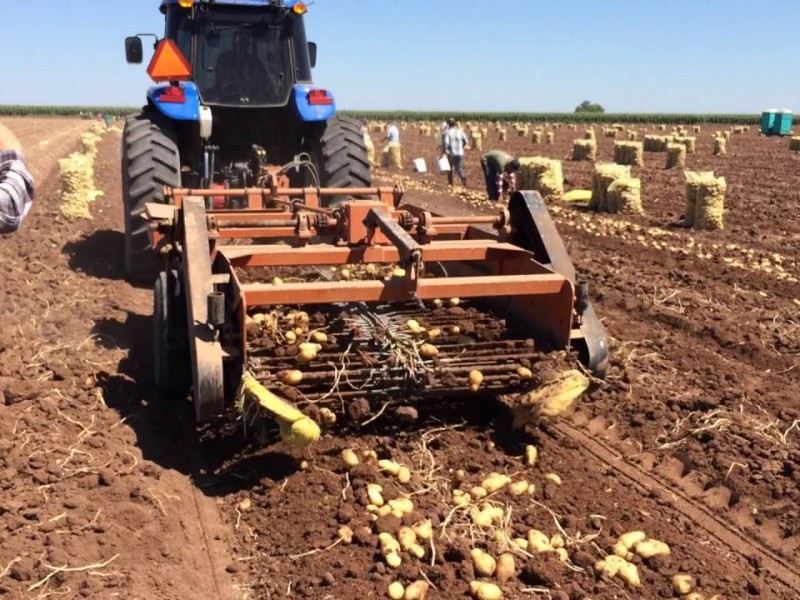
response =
{"points": [[442, 164], [419, 165]]}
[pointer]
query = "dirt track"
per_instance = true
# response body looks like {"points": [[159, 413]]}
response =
{"points": [[691, 439]]}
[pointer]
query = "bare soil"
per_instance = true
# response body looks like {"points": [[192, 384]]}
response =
{"points": [[107, 490]]}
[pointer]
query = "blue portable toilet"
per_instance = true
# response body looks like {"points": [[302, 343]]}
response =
{"points": [[783, 123], [768, 121]]}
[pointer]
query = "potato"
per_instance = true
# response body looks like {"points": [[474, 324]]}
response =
{"points": [[423, 529], [531, 454], [524, 373], [518, 488], [369, 455], [349, 458], [629, 574], [562, 554], [327, 416], [495, 482], [459, 475], [417, 551], [506, 568], [416, 591], [434, 333], [553, 478], [428, 351], [346, 274], [403, 505], [389, 466], [404, 474], [651, 548], [475, 380], [485, 564], [308, 352], [521, 543], [481, 590], [413, 326], [245, 505], [481, 518], [630, 539], [406, 537], [557, 541], [682, 584], [290, 337], [538, 542], [455, 330], [438, 303], [374, 494], [372, 269], [619, 549], [393, 560], [292, 377], [460, 498], [319, 337], [346, 534], [388, 543], [455, 301], [495, 512], [396, 591], [478, 493], [398, 272], [384, 510]]}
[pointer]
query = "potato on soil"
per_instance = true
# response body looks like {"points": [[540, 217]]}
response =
{"points": [[423, 529], [350, 458], [506, 568], [416, 591], [481, 590], [389, 466], [682, 584], [538, 542], [346, 534], [485, 565], [495, 482], [396, 590], [531, 454], [428, 351], [651, 548]]}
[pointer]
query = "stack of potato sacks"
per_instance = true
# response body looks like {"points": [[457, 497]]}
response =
{"points": [[544, 175], [705, 200], [77, 177], [585, 149], [614, 190], [794, 144]]}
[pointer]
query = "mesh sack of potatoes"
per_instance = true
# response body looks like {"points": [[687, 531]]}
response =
{"points": [[794, 144], [629, 153], [370, 148], [604, 175], [589, 134], [584, 150], [550, 138], [76, 177], [476, 140], [720, 146], [392, 155], [624, 196], [710, 203], [545, 175], [693, 179], [676, 156], [536, 138]]}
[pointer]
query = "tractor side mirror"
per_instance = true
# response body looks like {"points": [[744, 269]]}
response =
{"points": [[134, 53], [312, 53]]}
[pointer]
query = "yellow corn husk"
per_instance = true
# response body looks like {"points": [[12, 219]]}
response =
{"points": [[551, 399], [578, 196], [295, 427]]}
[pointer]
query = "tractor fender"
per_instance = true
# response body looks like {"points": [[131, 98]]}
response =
{"points": [[312, 113], [187, 109]]}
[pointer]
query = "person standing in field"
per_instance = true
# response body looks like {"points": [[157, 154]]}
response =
{"points": [[499, 170], [393, 134], [16, 183], [454, 143]]}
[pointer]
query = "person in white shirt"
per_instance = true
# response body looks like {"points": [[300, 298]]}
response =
{"points": [[393, 134]]}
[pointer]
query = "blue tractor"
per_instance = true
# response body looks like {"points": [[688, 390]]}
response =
{"points": [[233, 101]]}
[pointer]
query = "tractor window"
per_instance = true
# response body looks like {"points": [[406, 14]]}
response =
{"points": [[242, 57]]}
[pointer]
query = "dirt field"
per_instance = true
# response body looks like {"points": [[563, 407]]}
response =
{"points": [[694, 438]]}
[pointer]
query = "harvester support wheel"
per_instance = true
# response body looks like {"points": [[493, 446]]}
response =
{"points": [[150, 161], [341, 156], [170, 336]]}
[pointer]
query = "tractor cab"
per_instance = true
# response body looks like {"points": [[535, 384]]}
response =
{"points": [[242, 54]]}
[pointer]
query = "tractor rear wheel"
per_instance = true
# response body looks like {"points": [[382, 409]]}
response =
{"points": [[171, 358], [341, 156], [150, 161]]}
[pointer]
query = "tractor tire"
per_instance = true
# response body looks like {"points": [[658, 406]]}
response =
{"points": [[171, 357], [150, 161], [341, 156]]}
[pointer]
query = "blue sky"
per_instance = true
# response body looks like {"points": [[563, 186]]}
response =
{"points": [[523, 55]]}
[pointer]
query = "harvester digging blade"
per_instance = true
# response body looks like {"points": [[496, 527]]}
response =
{"points": [[534, 230]]}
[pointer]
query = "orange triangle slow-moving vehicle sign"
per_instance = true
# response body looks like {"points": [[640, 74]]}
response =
{"points": [[168, 63]]}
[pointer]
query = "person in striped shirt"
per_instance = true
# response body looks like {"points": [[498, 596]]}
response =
{"points": [[16, 183], [454, 142]]}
